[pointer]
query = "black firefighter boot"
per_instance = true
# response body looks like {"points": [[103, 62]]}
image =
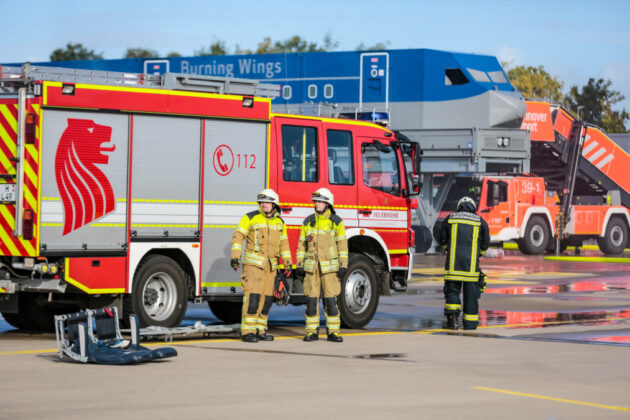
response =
{"points": [[451, 322], [264, 336], [250, 338]]}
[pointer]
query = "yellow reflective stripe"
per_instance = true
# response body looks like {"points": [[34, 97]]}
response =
{"points": [[462, 273], [468, 317], [453, 246], [398, 251], [244, 232], [458, 278], [452, 306], [473, 253], [237, 246], [464, 222]]}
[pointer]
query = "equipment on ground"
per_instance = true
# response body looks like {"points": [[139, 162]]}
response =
{"points": [[94, 336]]}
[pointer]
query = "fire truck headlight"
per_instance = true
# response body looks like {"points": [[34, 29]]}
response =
{"points": [[45, 268], [54, 269], [506, 141]]}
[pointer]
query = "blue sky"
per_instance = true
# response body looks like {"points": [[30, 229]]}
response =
{"points": [[573, 40]]}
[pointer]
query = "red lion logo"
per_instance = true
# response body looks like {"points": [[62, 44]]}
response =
{"points": [[84, 189]]}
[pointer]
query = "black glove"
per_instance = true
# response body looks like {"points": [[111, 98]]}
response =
{"points": [[288, 272], [342, 273], [281, 289], [481, 282], [299, 273], [235, 263]]}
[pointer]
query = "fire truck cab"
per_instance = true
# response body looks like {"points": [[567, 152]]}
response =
{"points": [[125, 189]]}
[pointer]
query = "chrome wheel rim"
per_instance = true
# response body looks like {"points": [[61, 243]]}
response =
{"points": [[616, 236], [358, 291], [537, 235], [159, 296]]}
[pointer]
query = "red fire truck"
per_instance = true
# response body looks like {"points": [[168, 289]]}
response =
{"points": [[125, 189]]}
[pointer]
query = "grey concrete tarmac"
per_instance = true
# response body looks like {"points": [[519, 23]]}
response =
{"points": [[553, 344]]}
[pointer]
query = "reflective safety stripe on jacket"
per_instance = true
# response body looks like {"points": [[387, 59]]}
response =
{"points": [[466, 237], [266, 239], [322, 241]]}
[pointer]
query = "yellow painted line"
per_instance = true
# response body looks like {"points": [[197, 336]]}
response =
{"points": [[220, 226], [544, 397], [514, 246], [17, 352], [590, 259]]}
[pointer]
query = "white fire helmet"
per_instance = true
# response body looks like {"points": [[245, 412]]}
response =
{"points": [[268, 196], [324, 194], [466, 200]]}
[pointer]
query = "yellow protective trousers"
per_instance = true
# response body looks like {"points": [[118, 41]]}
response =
{"points": [[257, 286], [316, 284]]}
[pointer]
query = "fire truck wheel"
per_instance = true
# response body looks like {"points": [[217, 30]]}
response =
{"points": [[229, 312], [359, 292], [551, 246], [159, 293], [536, 237], [21, 320], [616, 238]]}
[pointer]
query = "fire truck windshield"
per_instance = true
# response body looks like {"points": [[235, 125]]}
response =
{"points": [[462, 187]]}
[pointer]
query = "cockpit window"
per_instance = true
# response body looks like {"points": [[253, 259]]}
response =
{"points": [[479, 75], [454, 77], [497, 77]]}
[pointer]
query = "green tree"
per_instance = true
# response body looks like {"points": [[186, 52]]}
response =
{"points": [[377, 46], [216, 48], [74, 52], [140, 53], [173, 54], [598, 97], [535, 82]]}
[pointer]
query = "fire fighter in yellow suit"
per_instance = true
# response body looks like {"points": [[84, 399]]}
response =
{"points": [[267, 240], [322, 259]]}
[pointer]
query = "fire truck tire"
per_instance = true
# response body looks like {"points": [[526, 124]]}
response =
{"points": [[159, 295], [551, 246], [536, 237], [22, 319], [229, 312], [615, 239], [359, 292]]}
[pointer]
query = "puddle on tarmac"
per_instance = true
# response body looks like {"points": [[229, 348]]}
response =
{"points": [[380, 356], [576, 286], [550, 319]]}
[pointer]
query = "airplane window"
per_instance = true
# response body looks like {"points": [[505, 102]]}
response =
{"points": [[454, 77], [479, 75], [497, 77]]}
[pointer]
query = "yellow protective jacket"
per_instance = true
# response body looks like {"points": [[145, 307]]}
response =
{"points": [[322, 240], [266, 239]]}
